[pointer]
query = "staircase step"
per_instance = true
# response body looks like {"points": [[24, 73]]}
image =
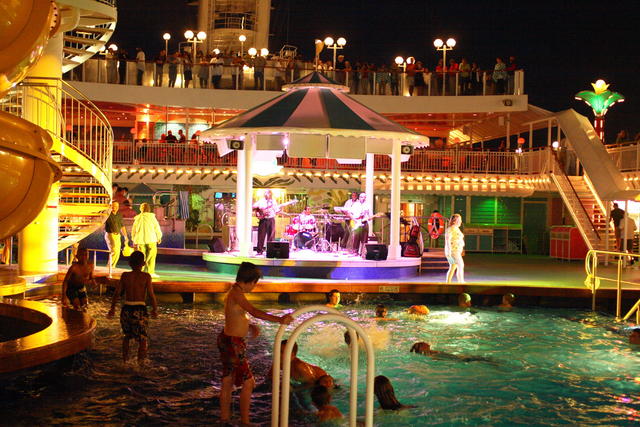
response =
{"points": [[80, 184], [74, 52], [101, 195], [92, 30], [79, 40]]}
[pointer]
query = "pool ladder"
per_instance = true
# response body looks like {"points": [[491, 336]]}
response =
{"points": [[280, 402]]}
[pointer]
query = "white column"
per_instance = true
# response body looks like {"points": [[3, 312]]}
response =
{"points": [[369, 186], [394, 238], [244, 195]]}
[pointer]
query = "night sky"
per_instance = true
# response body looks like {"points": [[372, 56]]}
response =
{"points": [[562, 45]]}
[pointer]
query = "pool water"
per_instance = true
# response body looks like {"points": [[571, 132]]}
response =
{"points": [[537, 367]]}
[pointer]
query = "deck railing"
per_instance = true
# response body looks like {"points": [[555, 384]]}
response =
{"points": [[386, 82], [422, 160]]}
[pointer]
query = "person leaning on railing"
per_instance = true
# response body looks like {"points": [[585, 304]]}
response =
{"points": [[217, 66]]}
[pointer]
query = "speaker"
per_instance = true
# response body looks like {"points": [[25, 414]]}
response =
{"points": [[376, 252], [216, 245], [277, 249], [235, 144], [406, 149]]}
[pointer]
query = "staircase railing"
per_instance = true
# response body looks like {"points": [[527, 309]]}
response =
{"points": [[280, 401], [594, 278], [572, 200]]}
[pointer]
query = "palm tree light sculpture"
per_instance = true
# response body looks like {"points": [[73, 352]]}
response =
{"points": [[600, 100]]}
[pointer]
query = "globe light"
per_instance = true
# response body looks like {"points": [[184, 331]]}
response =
{"points": [[328, 41], [438, 43], [113, 47], [342, 41], [242, 38], [318, 41], [411, 60], [166, 36], [451, 42], [252, 51], [216, 51], [264, 51], [188, 34], [399, 60], [202, 35], [555, 145]]}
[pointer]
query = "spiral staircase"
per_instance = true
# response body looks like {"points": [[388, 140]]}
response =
{"points": [[87, 26]]}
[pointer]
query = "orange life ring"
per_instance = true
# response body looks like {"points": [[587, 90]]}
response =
{"points": [[436, 225]]}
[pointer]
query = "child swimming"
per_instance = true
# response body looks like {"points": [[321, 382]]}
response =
{"points": [[333, 298], [425, 349], [381, 313], [79, 275], [304, 372], [321, 399], [507, 301], [420, 310], [464, 300], [386, 395]]}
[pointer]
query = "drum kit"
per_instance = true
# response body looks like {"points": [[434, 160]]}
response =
{"points": [[323, 236]]}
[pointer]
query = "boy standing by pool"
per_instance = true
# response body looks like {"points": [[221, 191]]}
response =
{"points": [[134, 318], [231, 341]]}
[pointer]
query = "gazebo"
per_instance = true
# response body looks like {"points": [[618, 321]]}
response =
{"points": [[314, 118]]}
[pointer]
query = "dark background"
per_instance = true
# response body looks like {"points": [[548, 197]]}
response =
{"points": [[563, 45]]}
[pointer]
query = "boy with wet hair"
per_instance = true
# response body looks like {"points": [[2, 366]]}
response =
{"points": [[304, 372], [464, 300], [134, 318], [507, 301], [232, 345], [321, 399], [333, 298], [79, 275], [382, 312]]}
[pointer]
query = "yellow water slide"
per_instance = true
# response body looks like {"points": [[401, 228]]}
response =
{"points": [[27, 169]]}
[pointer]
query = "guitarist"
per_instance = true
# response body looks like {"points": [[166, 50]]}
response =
{"points": [[266, 211], [360, 216]]}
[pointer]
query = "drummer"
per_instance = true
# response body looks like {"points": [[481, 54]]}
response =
{"points": [[306, 221]]}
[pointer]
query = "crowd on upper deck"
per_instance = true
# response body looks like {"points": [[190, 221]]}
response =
{"points": [[205, 70]]}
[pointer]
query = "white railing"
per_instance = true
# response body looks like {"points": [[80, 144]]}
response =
{"points": [[626, 157], [78, 123], [387, 82], [280, 402], [423, 160]]}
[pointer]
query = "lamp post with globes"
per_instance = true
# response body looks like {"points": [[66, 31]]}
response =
{"points": [[194, 39], [444, 47], [166, 37], [338, 44], [402, 63], [242, 38]]}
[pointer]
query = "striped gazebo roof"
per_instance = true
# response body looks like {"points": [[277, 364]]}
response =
{"points": [[315, 79], [311, 106]]}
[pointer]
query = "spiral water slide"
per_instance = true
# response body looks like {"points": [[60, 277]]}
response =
{"points": [[27, 169]]}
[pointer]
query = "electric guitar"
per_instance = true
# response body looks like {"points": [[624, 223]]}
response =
{"points": [[262, 213], [360, 221]]}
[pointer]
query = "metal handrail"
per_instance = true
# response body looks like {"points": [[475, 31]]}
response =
{"points": [[280, 402], [591, 269], [636, 309]]}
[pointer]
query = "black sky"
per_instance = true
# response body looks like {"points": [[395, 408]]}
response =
{"points": [[563, 45]]}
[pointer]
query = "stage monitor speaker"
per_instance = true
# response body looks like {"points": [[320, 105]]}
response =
{"points": [[235, 144], [406, 149], [216, 245], [376, 252], [277, 249]]}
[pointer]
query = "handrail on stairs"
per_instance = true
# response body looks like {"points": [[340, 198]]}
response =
{"points": [[575, 193], [593, 279], [280, 402]]}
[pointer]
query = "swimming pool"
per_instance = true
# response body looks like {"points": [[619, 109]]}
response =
{"points": [[543, 367]]}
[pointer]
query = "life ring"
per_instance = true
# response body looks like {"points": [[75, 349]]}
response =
{"points": [[436, 225]]}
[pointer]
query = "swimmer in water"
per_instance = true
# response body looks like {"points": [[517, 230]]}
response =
{"points": [[321, 399], [386, 395], [333, 298], [507, 301], [78, 277], [464, 300], [425, 349], [381, 313], [420, 310], [634, 338], [304, 372]]}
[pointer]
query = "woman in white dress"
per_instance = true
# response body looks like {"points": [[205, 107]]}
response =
{"points": [[453, 248]]}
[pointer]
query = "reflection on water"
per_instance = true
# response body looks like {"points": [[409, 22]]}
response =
{"points": [[546, 369]]}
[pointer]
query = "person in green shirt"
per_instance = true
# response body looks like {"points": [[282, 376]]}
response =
{"points": [[113, 229]]}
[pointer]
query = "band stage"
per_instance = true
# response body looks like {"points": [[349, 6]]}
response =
{"points": [[315, 265]]}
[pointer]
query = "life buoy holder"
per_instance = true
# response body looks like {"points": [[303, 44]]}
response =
{"points": [[436, 225]]}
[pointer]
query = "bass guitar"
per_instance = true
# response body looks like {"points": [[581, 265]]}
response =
{"points": [[356, 223], [263, 213]]}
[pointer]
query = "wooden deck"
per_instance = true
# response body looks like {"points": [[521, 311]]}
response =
{"points": [[65, 332]]}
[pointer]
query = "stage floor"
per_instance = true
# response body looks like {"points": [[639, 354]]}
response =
{"points": [[484, 273]]}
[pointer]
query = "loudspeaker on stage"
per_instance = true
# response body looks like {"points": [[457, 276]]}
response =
{"points": [[278, 250], [376, 252]]}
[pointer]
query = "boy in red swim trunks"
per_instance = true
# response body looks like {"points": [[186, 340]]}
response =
{"points": [[231, 341]]}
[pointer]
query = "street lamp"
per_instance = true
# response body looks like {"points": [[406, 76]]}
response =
{"points": [[194, 39], [339, 44], [252, 51], [600, 100], [264, 52], [440, 45], [166, 37], [242, 39]]}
